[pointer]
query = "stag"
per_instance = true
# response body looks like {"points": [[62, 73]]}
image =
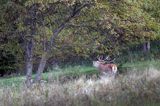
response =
{"points": [[104, 67]]}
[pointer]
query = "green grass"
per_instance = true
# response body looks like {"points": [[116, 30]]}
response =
{"points": [[141, 65], [77, 71], [11, 82], [128, 89], [51, 74]]}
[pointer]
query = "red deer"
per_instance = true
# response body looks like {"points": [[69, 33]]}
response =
{"points": [[104, 68]]}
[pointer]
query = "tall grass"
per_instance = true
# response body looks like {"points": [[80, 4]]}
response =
{"points": [[136, 87]]}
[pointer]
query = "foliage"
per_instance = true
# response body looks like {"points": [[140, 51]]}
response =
{"points": [[9, 42], [7, 63], [101, 27]]}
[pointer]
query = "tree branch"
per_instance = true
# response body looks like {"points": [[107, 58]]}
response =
{"points": [[76, 10]]}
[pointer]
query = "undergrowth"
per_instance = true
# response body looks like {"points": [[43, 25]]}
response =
{"points": [[133, 88]]}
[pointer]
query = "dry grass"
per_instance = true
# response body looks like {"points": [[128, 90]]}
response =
{"points": [[134, 88]]}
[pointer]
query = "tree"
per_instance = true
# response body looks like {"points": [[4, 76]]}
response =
{"points": [[81, 28], [53, 16], [9, 42], [153, 9]]}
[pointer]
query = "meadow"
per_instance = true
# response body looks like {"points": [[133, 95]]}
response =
{"points": [[47, 48], [82, 86]]}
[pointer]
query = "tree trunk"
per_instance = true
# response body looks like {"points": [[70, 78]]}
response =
{"points": [[146, 47], [29, 63], [47, 50], [29, 67], [41, 67], [44, 56]]}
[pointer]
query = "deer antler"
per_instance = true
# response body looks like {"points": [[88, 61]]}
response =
{"points": [[100, 58], [108, 59]]}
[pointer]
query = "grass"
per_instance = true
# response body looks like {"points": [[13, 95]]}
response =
{"points": [[142, 65], [141, 88], [77, 71], [11, 82], [52, 74]]}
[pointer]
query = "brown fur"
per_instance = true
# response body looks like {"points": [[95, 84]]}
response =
{"points": [[106, 67]]}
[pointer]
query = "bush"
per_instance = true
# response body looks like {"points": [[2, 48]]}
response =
{"points": [[7, 63]]}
